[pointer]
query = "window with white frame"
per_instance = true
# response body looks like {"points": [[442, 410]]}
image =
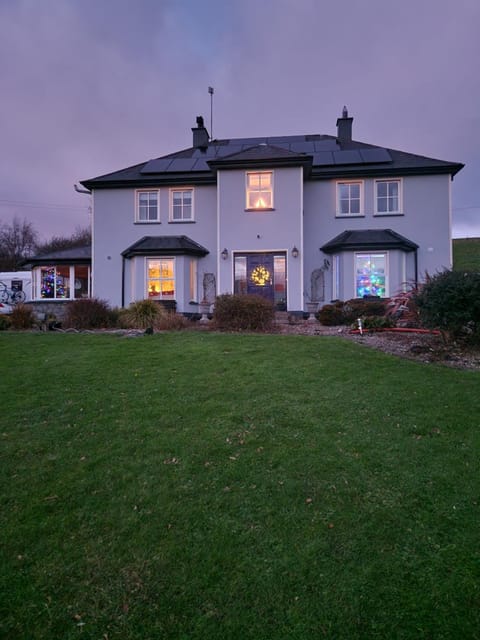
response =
{"points": [[259, 190], [161, 278], [371, 275], [181, 205], [388, 197], [349, 198], [61, 282], [147, 207]]}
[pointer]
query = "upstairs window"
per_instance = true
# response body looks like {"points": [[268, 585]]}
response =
{"points": [[388, 198], [181, 205], [147, 207], [260, 191], [349, 198]]}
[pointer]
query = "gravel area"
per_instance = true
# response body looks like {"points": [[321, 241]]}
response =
{"points": [[421, 347]]}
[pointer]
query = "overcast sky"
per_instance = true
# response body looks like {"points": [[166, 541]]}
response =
{"points": [[93, 86]]}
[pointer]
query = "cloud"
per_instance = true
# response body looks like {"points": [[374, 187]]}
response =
{"points": [[91, 87]]}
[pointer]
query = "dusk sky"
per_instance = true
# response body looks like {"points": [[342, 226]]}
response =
{"points": [[93, 86]]}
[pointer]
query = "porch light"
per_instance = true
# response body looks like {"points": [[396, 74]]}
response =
{"points": [[224, 254], [295, 252]]}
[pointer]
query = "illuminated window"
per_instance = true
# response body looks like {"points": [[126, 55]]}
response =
{"points": [[61, 282], [260, 190], [181, 205], [349, 198], [161, 278], [147, 207], [388, 197], [370, 274]]}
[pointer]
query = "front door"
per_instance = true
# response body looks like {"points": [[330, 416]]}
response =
{"points": [[263, 274]]}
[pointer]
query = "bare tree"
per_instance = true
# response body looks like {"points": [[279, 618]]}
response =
{"points": [[81, 237], [18, 241]]}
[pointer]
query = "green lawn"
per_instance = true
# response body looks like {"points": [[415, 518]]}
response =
{"points": [[466, 254], [203, 486]]}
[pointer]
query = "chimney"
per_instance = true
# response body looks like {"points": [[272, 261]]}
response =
{"points": [[200, 135], [344, 127]]}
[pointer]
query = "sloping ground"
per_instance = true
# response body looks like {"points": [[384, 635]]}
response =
{"points": [[423, 347], [466, 254]]}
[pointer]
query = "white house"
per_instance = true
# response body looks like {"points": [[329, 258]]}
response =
{"points": [[287, 217]]}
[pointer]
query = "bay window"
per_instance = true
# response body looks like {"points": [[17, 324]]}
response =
{"points": [[371, 275], [161, 278]]}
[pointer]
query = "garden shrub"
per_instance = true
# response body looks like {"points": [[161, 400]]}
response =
{"points": [[88, 313], [347, 312], [171, 321], [331, 315], [376, 322], [450, 301], [143, 314], [243, 313], [5, 323], [361, 308], [22, 317]]}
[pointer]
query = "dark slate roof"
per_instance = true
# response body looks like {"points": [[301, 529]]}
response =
{"points": [[166, 246], [76, 255], [261, 155], [368, 239], [327, 156]]}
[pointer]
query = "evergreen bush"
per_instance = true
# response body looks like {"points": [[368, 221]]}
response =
{"points": [[243, 313], [450, 301], [331, 315]]}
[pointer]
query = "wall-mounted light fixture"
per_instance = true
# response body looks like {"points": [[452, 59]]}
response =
{"points": [[224, 254], [295, 252]]}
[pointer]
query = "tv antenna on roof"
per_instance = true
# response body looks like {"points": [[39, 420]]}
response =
{"points": [[210, 91]]}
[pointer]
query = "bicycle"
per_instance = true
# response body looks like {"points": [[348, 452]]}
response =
{"points": [[9, 296]]}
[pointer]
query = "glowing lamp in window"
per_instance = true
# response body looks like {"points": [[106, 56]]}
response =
{"points": [[259, 190]]}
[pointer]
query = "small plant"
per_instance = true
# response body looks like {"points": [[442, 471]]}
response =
{"points": [[243, 313], [143, 314], [22, 317], [88, 313], [376, 322]]}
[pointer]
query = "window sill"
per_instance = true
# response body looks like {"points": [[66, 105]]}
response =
{"points": [[350, 215], [260, 210], [181, 222], [147, 222], [388, 213]]}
